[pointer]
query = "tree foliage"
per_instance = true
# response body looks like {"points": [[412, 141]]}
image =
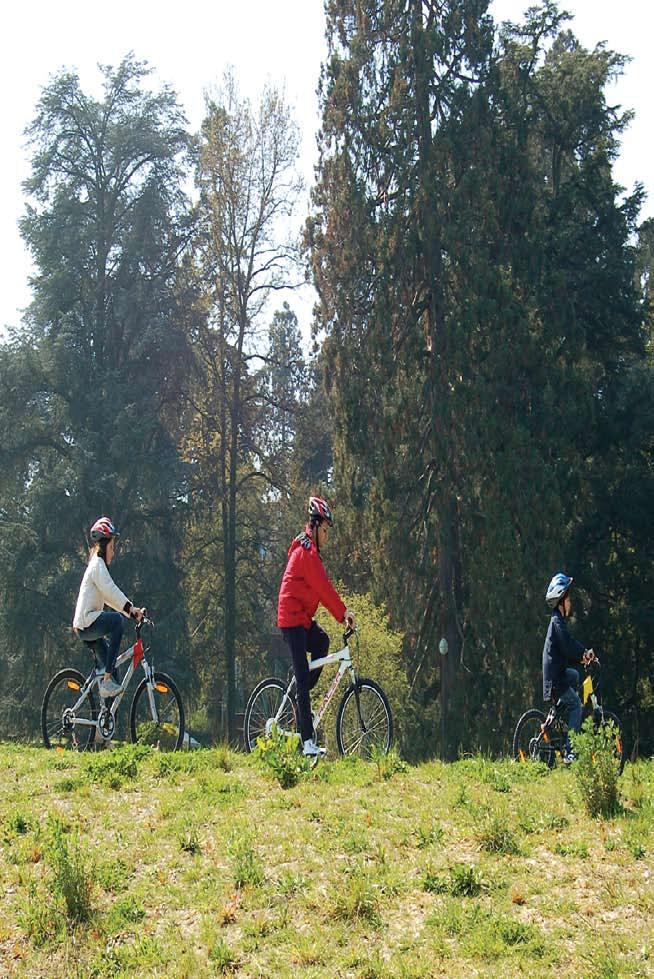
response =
{"points": [[476, 278]]}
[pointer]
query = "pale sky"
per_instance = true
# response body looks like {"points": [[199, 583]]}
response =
{"points": [[279, 41]]}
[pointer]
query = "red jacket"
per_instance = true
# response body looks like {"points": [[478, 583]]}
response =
{"points": [[305, 585]]}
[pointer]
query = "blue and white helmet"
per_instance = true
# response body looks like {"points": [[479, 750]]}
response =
{"points": [[557, 588]]}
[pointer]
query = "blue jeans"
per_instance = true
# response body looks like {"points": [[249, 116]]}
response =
{"points": [[108, 626], [570, 699]]}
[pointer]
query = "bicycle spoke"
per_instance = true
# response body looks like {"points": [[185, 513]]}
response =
{"points": [[61, 713], [167, 732], [262, 708], [362, 729]]}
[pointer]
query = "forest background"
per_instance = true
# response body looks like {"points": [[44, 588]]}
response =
{"points": [[477, 404]]}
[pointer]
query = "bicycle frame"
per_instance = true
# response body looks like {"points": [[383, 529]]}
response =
{"points": [[135, 654], [344, 658]]}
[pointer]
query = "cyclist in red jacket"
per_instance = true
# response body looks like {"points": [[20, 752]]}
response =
{"points": [[304, 586]]}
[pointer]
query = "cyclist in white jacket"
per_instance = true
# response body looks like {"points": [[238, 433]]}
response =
{"points": [[91, 622]]}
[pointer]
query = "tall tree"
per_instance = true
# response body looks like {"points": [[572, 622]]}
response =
{"points": [[248, 187], [476, 281], [89, 386]]}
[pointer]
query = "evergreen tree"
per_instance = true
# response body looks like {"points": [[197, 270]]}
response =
{"points": [[476, 286], [89, 387]]}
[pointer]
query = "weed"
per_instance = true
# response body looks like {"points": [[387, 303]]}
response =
{"points": [[496, 836], [636, 847], [41, 920], [17, 824], [223, 958], [388, 763], [428, 835], [461, 880], [125, 912], [113, 876], [357, 898], [189, 841], [70, 871], [290, 884], [114, 768], [247, 866], [596, 770], [573, 849], [280, 754]]}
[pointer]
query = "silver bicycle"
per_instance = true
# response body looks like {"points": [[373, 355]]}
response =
{"points": [[72, 719], [364, 721]]}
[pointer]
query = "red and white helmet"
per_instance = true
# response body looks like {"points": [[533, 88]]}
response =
{"points": [[103, 529], [319, 510]]}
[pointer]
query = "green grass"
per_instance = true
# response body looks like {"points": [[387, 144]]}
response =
{"points": [[133, 863]]}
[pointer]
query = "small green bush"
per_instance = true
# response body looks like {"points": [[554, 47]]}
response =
{"points": [[596, 770], [280, 754]]}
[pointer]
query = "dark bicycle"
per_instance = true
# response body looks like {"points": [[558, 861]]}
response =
{"points": [[543, 737]]}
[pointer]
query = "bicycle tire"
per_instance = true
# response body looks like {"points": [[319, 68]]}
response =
{"points": [[377, 718], [262, 706], [168, 733], [61, 694], [527, 742], [620, 752]]}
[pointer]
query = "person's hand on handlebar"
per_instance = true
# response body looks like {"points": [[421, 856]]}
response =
{"points": [[589, 657], [349, 619], [138, 614]]}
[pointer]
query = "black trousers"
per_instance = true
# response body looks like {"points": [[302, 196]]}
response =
{"points": [[302, 641]]}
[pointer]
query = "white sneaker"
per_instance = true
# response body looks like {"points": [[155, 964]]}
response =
{"points": [[312, 749], [109, 688]]}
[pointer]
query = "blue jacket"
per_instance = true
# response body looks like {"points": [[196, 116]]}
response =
{"points": [[559, 651]]}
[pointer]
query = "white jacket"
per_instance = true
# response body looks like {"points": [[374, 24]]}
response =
{"points": [[97, 590]]}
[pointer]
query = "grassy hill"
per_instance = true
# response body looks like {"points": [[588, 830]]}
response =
{"points": [[134, 863]]}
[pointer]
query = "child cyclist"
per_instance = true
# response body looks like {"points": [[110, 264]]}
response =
{"points": [[304, 586], [91, 622], [560, 680]]}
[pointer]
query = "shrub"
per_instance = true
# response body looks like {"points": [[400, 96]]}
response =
{"points": [[280, 755], [596, 770]]}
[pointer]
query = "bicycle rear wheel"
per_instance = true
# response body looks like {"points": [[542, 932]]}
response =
{"points": [[61, 728], [166, 732], [529, 743], [364, 721], [262, 707]]}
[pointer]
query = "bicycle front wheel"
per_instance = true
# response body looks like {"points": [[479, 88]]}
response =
{"points": [[364, 722], [66, 723], [529, 743], [165, 728], [262, 709]]}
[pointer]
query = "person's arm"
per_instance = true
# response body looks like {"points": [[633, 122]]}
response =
{"points": [[317, 578], [573, 650], [111, 593]]}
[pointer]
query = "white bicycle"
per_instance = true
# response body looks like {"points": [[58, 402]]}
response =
{"points": [[363, 723], [70, 717]]}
